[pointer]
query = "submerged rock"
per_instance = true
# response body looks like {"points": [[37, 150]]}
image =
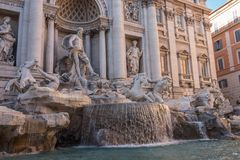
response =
{"points": [[21, 133]]}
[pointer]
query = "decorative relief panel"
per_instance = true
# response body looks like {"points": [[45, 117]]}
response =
{"points": [[132, 10]]}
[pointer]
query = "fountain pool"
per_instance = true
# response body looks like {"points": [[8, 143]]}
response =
{"points": [[188, 150]]}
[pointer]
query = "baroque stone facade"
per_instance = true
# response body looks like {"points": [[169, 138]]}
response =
{"points": [[170, 38]]}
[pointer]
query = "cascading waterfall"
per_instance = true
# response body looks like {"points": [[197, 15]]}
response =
{"points": [[132, 123], [200, 127]]}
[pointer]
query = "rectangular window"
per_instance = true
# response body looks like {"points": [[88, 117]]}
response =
{"points": [[205, 69], [223, 83], [164, 63], [239, 78], [159, 16], [220, 62], [180, 21], [185, 66], [237, 35], [238, 55], [199, 26], [218, 45]]}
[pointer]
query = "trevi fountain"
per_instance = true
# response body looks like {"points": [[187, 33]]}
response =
{"points": [[84, 90]]}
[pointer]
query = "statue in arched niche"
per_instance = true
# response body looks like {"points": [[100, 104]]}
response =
{"points": [[7, 41], [133, 58], [81, 64]]}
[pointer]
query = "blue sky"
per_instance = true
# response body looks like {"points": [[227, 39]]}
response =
{"points": [[214, 4]]}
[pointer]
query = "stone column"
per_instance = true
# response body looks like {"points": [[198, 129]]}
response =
{"points": [[210, 50], [88, 44], [118, 67], [153, 39], [102, 53], [24, 38], [193, 50], [146, 61], [35, 31], [56, 45], [172, 46], [49, 57]]}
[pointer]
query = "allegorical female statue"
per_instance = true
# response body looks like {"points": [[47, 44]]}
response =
{"points": [[7, 41], [133, 57]]}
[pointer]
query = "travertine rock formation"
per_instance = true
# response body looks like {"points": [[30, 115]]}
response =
{"points": [[20, 133]]}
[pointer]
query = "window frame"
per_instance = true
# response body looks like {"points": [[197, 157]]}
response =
{"points": [[221, 46], [235, 37], [223, 85], [220, 58]]}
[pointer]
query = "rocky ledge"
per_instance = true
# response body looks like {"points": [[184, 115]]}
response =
{"points": [[20, 133], [43, 100]]}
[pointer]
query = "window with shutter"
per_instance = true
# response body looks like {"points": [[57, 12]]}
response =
{"points": [[237, 35]]}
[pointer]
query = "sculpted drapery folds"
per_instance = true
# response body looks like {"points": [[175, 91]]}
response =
{"points": [[81, 64], [7, 41], [133, 57]]}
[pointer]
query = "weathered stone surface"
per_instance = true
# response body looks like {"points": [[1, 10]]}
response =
{"points": [[45, 100], [21, 133], [217, 127], [133, 123], [183, 128], [182, 104]]}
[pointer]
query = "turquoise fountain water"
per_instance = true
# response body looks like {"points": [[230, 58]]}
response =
{"points": [[193, 150]]}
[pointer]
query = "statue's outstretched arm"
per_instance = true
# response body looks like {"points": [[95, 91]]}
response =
{"points": [[30, 64], [46, 75]]}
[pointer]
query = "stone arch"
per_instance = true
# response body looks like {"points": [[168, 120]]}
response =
{"points": [[81, 11]]}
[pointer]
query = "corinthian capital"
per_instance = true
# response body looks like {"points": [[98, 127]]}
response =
{"points": [[170, 14], [190, 20]]}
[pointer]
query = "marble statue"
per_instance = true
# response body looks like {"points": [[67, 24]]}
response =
{"points": [[25, 78], [138, 91], [52, 80], [7, 41], [81, 64], [163, 87], [145, 90], [133, 58]]}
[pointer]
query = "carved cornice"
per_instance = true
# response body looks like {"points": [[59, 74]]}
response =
{"points": [[70, 26], [14, 3]]}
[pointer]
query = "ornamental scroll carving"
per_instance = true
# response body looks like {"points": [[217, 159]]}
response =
{"points": [[132, 10]]}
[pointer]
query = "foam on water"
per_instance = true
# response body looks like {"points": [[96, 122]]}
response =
{"points": [[173, 142]]}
